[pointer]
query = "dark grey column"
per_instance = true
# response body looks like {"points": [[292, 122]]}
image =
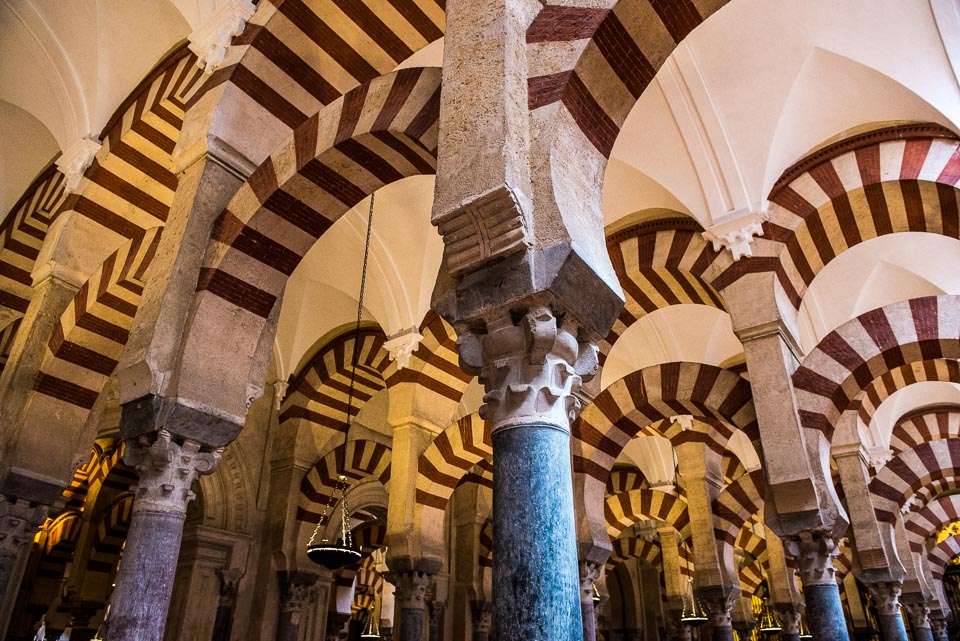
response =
{"points": [[167, 470], [409, 604], [294, 590], [938, 626], [588, 574], [719, 608], [19, 521], [919, 619], [886, 599], [530, 365], [789, 615], [223, 623], [436, 620], [743, 630], [816, 551], [481, 613]]}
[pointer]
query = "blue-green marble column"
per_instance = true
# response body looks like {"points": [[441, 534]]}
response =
{"points": [[886, 598]]}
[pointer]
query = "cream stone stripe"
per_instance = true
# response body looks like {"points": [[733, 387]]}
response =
{"points": [[926, 466]]}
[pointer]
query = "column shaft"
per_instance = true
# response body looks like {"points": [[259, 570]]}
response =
{"points": [[816, 551], [886, 598], [409, 606]]}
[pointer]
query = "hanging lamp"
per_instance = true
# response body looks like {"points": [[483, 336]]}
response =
{"points": [[596, 595], [692, 614], [769, 621], [372, 629], [334, 555], [804, 630]]}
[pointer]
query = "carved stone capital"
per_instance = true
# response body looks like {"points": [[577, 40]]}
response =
{"points": [[19, 521], [167, 470], [436, 611], [75, 159], [589, 572], [411, 590], [530, 365], [789, 615], [229, 584], [210, 41], [885, 596], [919, 614], [295, 589], [939, 627], [482, 613], [401, 346], [736, 234], [815, 551], [718, 607]]}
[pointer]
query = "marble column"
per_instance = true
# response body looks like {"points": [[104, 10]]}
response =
{"points": [[938, 626], [719, 612], [223, 623], [588, 574], [920, 621], [436, 620], [816, 551], [167, 470], [789, 615], [530, 365], [481, 616], [886, 599], [294, 589], [410, 600]]}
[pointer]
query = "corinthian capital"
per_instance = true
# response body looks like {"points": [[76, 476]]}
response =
{"points": [[167, 470], [816, 552], [531, 365], [19, 521]]}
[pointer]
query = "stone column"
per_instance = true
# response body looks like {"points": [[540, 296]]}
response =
{"points": [[294, 589], [886, 599], [410, 602], [229, 582], [588, 574], [167, 470], [436, 620], [789, 615], [18, 523], [718, 610], [938, 626], [920, 621], [816, 551], [743, 629], [481, 615], [530, 365]]}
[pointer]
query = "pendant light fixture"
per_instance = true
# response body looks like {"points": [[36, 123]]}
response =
{"points": [[334, 555], [804, 630], [372, 629], [692, 613], [769, 621]]}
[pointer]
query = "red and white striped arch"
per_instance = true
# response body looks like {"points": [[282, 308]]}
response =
{"points": [[879, 390], [895, 179], [447, 460], [297, 56], [627, 508], [362, 459], [720, 400], [661, 263], [738, 503], [749, 541], [921, 525], [933, 466], [928, 424], [941, 556], [626, 548], [378, 133], [624, 478], [851, 357]]}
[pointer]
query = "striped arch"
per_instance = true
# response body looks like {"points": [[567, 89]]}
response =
{"points": [[297, 56], [7, 336], [751, 577], [923, 524], [896, 379], [625, 478], [749, 542], [88, 340], [318, 393], [485, 545], [442, 466], [626, 508], [896, 179], [930, 424], [362, 459], [737, 503], [624, 549], [110, 535], [848, 359], [720, 400], [21, 237], [622, 49], [941, 556], [481, 474], [731, 467], [661, 263], [933, 466], [375, 135], [368, 538], [63, 533]]}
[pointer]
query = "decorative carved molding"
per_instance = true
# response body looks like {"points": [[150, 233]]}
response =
{"points": [[589, 572], [919, 614], [815, 551], [482, 612], [402, 345], [167, 471], [411, 590], [719, 607], [489, 227], [789, 615], [531, 367], [229, 584], [886, 597], [685, 421], [210, 42], [19, 521], [737, 234], [75, 159]]}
